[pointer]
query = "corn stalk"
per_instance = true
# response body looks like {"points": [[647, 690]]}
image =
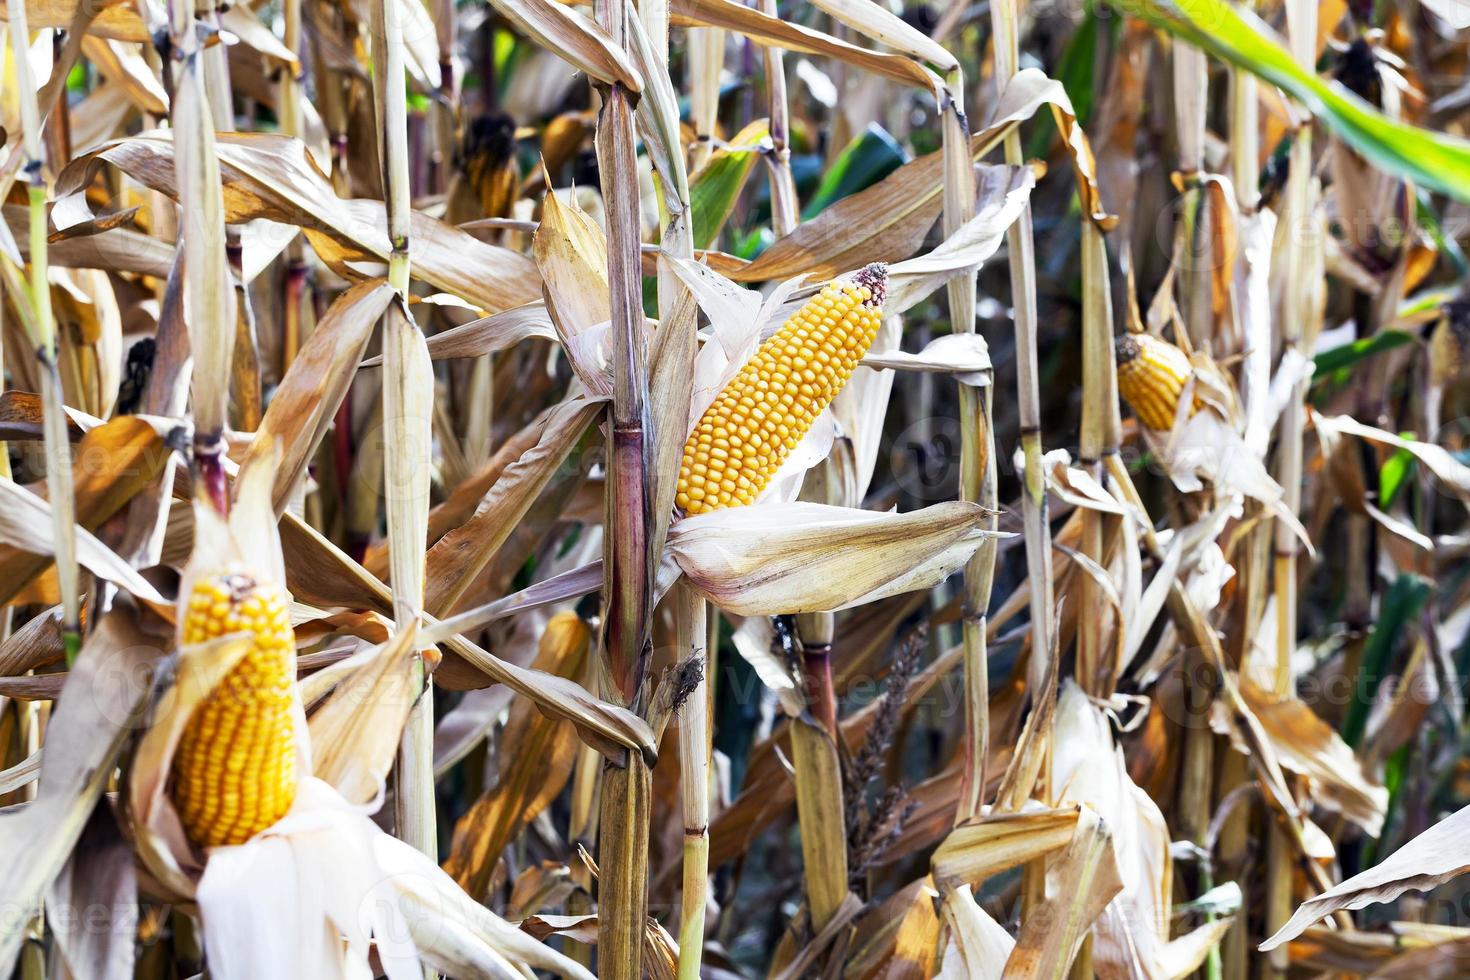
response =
{"points": [[1098, 439], [977, 457], [1301, 23], [1191, 90], [627, 586], [1005, 22], [693, 626], [42, 336], [785, 208], [408, 387], [1233, 844]]}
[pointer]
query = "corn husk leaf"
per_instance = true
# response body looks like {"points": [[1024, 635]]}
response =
{"points": [[85, 736], [1079, 886], [355, 731], [487, 335], [882, 26], [1002, 194], [888, 221], [330, 869], [765, 29], [536, 758], [101, 883], [115, 20], [1451, 474], [307, 398], [753, 642], [1307, 745], [571, 252], [1132, 934], [462, 554], [125, 66], [975, 851], [804, 557], [162, 846], [965, 356]]}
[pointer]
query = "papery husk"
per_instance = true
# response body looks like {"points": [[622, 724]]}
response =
{"points": [[366, 883], [978, 946], [1079, 885], [998, 842], [1132, 935], [805, 557], [355, 730]]}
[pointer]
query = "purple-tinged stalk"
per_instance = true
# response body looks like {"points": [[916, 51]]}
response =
{"points": [[627, 790]]}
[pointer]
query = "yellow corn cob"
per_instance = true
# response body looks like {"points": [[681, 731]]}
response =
{"points": [[1151, 376], [235, 767], [750, 428]]}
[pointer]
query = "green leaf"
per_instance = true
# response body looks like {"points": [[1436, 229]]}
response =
{"points": [[754, 243], [861, 164], [1359, 350], [1432, 159], [1400, 606], [715, 187], [1393, 476]]}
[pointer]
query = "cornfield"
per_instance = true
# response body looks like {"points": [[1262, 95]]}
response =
{"points": [[702, 488]]}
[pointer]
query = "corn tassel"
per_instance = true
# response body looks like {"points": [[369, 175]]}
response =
{"points": [[235, 768], [1151, 376], [756, 421]]}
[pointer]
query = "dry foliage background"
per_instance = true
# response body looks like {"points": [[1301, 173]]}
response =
{"points": [[994, 682]]}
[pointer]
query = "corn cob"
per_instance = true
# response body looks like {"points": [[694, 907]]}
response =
{"points": [[235, 767], [1151, 377], [751, 427]]}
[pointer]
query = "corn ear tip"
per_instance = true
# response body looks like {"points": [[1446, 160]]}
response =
{"points": [[874, 278], [1127, 348]]}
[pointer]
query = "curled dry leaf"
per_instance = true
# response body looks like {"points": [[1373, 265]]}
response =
{"points": [[998, 842], [274, 177], [1132, 934], [85, 736], [576, 39], [1434, 857]]}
